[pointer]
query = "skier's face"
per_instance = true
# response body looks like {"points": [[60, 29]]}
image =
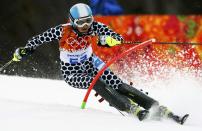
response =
{"points": [[83, 29], [83, 24]]}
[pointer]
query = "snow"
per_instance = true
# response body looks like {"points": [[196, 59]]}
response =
{"points": [[30, 104]]}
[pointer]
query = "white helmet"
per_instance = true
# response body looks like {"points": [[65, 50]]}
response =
{"points": [[80, 14]]}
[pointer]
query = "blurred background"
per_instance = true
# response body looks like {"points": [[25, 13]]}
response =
{"points": [[22, 19]]}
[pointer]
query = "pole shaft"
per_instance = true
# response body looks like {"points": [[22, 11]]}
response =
{"points": [[162, 42], [7, 64]]}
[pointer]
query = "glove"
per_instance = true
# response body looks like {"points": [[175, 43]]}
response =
{"points": [[19, 54], [109, 41]]}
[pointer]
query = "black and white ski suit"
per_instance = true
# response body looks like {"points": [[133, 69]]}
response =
{"points": [[79, 64]]}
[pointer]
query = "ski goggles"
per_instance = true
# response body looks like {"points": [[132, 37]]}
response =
{"points": [[83, 21]]}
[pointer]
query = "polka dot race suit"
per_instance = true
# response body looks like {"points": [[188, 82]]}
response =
{"points": [[78, 63]]}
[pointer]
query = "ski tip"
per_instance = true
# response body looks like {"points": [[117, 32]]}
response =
{"points": [[184, 118]]}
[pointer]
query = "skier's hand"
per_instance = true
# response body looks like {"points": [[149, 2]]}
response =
{"points": [[108, 40], [19, 54], [111, 41]]}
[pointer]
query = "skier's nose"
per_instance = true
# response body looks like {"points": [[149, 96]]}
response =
{"points": [[85, 25]]}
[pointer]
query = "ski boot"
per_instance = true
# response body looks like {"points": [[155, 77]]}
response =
{"points": [[143, 114], [135, 110], [167, 113]]}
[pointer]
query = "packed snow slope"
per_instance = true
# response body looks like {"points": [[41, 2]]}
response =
{"points": [[28, 104]]}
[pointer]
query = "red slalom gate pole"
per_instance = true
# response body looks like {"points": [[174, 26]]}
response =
{"points": [[145, 43]]}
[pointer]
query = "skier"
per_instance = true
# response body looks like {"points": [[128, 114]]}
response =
{"points": [[79, 65]]}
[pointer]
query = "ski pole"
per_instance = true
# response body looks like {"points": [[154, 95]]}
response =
{"points": [[162, 42], [7, 64]]}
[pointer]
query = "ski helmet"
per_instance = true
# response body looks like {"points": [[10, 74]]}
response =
{"points": [[80, 14]]}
